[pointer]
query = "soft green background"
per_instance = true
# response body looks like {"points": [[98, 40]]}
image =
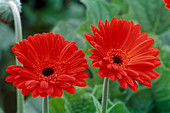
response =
{"points": [[72, 18]]}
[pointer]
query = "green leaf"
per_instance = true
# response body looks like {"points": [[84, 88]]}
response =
{"points": [[118, 108], [141, 100], [133, 110], [97, 104], [151, 14], [164, 54], [67, 32], [97, 10], [116, 91], [80, 102], [97, 91], [62, 28], [161, 90], [122, 4], [56, 105], [165, 38], [55, 4], [75, 10], [33, 105]]}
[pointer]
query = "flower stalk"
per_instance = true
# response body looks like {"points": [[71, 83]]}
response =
{"points": [[105, 94], [45, 105], [18, 37]]}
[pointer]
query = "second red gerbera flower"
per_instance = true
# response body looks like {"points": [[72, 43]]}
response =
{"points": [[51, 65], [122, 52]]}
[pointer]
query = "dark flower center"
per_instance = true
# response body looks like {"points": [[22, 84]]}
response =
{"points": [[117, 59], [47, 72]]}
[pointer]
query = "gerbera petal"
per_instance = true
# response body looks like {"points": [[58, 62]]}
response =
{"points": [[67, 51], [145, 82], [44, 85], [95, 64], [98, 39], [70, 90], [25, 92], [135, 87], [118, 75], [94, 57], [89, 37], [95, 52], [103, 72], [129, 81], [35, 93], [167, 4], [102, 63], [142, 65], [109, 66], [76, 62], [17, 81], [81, 75], [142, 46], [75, 70], [123, 83], [112, 75], [43, 95], [81, 83], [58, 92], [75, 55], [66, 78], [132, 73], [100, 50], [25, 61], [32, 57], [50, 90], [20, 85], [94, 29], [10, 78], [31, 82], [64, 84], [31, 87]]}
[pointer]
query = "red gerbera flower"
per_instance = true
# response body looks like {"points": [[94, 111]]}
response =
{"points": [[167, 4], [122, 52], [51, 65]]}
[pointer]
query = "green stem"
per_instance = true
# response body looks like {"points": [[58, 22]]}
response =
{"points": [[17, 20], [45, 106], [18, 37], [20, 102], [105, 94]]}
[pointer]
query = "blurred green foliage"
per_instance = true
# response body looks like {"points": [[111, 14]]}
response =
{"points": [[71, 19]]}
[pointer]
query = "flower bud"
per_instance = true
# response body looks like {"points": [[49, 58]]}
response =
{"points": [[6, 15]]}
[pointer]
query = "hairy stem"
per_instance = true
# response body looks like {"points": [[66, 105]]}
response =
{"points": [[105, 94], [18, 37], [45, 106]]}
